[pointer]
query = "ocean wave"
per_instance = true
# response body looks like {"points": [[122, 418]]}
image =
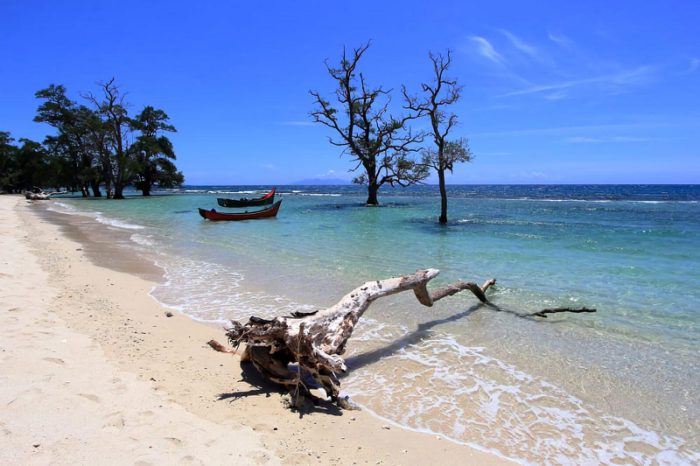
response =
{"points": [[143, 240], [68, 209], [300, 193], [440, 386], [117, 223], [212, 292], [63, 208]]}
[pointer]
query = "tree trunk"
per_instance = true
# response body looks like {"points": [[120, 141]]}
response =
{"points": [[443, 196], [146, 185], [118, 192], [95, 185], [372, 189], [108, 188]]}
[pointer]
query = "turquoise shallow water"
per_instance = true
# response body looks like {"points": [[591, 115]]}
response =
{"points": [[618, 385]]}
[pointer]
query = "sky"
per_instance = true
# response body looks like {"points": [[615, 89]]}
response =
{"points": [[553, 91]]}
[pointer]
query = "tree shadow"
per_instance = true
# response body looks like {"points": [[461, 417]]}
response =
{"points": [[260, 385], [365, 359]]}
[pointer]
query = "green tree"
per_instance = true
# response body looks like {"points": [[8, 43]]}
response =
{"points": [[9, 169], [375, 140], [154, 152], [72, 142], [441, 93]]}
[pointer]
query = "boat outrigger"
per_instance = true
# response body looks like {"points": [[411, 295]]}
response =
{"points": [[264, 213], [245, 202]]}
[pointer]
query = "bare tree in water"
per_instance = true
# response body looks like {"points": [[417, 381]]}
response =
{"points": [[441, 93], [380, 143]]}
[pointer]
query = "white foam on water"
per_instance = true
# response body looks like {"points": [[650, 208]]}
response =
{"points": [[439, 385], [212, 292], [69, 209], [143, 240], [304, 194], [112, 222], [63, 208]]}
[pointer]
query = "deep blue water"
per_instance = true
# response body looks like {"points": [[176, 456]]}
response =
{"points": [[589, 386]]}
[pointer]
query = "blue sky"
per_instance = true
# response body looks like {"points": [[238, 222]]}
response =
{"points": [[554, 92]]}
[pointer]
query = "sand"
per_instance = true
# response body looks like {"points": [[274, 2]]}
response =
{"points": [[93, 371]]}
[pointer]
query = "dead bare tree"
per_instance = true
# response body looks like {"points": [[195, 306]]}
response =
{"points": [[442, 93], [113, 109], [291, 350], [378, 142]]}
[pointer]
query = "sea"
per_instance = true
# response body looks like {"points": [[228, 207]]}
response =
{"points": [[618, 386]]}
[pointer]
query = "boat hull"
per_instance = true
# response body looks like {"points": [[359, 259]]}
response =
{"points": [[243, 202], [213, 215]]}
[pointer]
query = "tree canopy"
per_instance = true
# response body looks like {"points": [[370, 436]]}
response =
{"points": [[92, 147]]}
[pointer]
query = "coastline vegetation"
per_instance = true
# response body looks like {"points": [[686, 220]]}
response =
{"points": [[94, 146]]}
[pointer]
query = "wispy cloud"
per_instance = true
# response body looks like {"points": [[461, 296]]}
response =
{"points": [[555, 68], [522, 46], [560, 39], [617, 82], [268, 166], [486, 50], [693, 65]]}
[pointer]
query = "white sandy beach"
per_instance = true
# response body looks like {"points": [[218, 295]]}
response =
{"points": [[92, 371]]}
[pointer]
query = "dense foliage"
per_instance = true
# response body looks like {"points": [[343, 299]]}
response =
{"points": [[93, 146]]}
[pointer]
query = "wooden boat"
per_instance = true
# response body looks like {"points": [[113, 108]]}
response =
{"points": [[264, 213], [245, 202]]}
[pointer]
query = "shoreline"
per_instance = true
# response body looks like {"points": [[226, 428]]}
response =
{"points": [[169, 357]]}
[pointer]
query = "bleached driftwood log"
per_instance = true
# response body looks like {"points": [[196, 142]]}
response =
{"points": [[40, 196], [291, 350], [316, 340]]}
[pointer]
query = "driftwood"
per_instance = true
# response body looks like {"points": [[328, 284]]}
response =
{"points": [[41, 196], [303, 351], [216, 346]]}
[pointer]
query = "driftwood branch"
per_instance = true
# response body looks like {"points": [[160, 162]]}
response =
{"points": [[216, 346], [544, 312], [304, 351], [41, 196]]}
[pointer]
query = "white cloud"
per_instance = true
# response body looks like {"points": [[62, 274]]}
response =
{"points": [[522, 46], [561, 40], [693, 65], [329, 174], [268, 166], [617, 81], [486, 50]]}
